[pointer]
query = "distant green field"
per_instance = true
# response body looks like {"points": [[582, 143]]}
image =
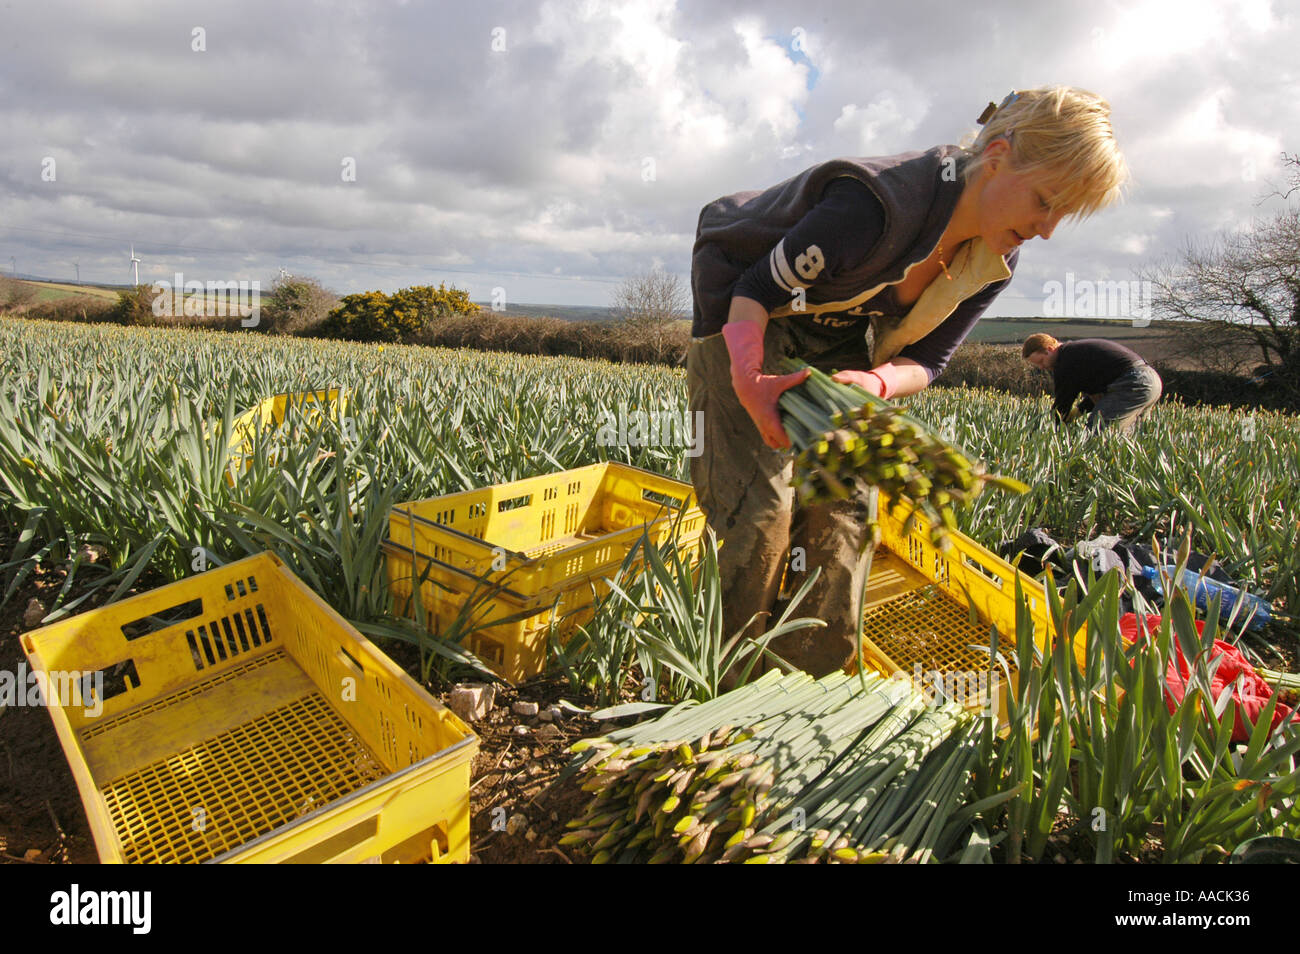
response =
{"points": [[53, 291], [1015, 330], [987, 331]]}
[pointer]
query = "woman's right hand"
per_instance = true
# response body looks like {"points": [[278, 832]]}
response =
{"points": [[758, 394], [756, 391]]}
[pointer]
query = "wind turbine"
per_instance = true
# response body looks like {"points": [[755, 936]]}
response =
{"points": [[135, 266]]}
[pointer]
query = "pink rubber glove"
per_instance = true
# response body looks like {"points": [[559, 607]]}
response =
{"points": [[758, 392], [882, 382]]}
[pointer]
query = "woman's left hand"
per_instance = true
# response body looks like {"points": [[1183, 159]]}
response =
{"points": [[867, 380]]}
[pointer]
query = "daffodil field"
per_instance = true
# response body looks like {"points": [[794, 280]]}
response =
{"points": [[116, 437]]}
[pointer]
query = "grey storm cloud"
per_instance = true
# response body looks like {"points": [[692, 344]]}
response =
{"points": [[531, 144]]}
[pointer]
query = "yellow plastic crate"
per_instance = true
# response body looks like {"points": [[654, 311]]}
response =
{"points": [[532, 550], [242, 719], [930, 611], [270, 413]]}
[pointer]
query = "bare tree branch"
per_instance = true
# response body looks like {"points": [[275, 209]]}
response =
{"points": [[650, 303], [1238, 287]]}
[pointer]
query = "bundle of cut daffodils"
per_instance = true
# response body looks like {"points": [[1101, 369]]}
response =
{"points": [[843, 435], [784, 769]]}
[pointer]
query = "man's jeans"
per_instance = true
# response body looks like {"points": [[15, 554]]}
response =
{"points": [[1128, 399]]}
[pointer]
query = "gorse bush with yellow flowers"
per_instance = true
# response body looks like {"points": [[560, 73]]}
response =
{"points": [[375, 316]]}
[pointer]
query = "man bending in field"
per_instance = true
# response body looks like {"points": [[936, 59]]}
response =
{"points": [[1119, 386]]}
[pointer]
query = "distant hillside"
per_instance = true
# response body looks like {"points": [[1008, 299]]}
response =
{"points": [[987, 331], [1016, 330], [52, 291], [568, 312]]}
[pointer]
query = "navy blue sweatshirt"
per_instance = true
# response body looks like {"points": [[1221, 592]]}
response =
{"points": [[837, 231], [846, 225], [1088, 366]]}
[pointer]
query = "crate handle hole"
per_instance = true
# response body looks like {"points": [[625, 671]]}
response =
{"points": [[117, 679], [338, 845], [514, 503], [980, 569], [428, 845], [667, 500], [348, 657], [163, 619]]}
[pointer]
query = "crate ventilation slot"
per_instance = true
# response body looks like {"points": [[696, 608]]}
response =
{"points": [[238, 589], [228, 637]]}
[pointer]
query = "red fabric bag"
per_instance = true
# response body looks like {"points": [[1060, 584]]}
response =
{"points": [[1251, 696]]}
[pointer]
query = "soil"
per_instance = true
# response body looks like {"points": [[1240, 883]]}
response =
{"points": [[518, 807], [41, 818], [517, 812], [1068, 844]]}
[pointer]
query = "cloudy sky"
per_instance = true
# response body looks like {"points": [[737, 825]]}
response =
{"points": [[551, 149]]}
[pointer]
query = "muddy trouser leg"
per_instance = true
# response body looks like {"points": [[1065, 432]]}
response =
{"points": [[832, 537], [744, 489], [835, 538]]}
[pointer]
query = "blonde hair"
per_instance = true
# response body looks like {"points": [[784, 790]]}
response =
{"points": [[1064, 133], [1038, 342]]}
